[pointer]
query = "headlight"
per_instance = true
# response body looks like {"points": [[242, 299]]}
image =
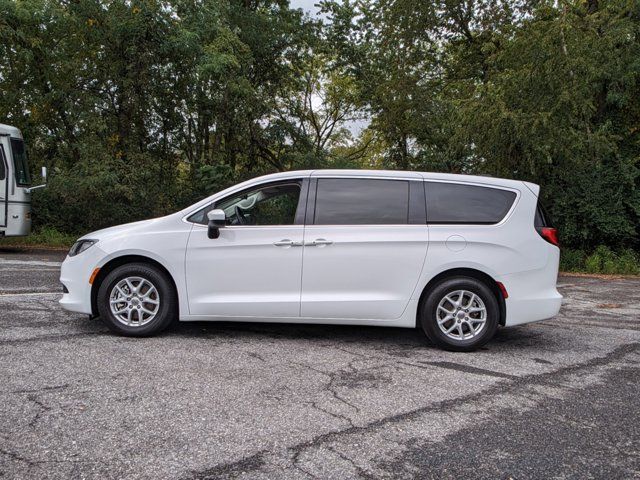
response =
{"points": [[80, 246]]}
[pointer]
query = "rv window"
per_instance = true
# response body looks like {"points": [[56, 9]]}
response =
{"points": [[3, 171], [20, 163]]}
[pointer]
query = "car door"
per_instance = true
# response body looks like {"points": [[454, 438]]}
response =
{"points": [[4, 188], [253, 269], [365, 245]]}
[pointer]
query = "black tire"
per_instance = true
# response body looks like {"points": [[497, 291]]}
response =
{"points": [[429, 320], [168, 300]]}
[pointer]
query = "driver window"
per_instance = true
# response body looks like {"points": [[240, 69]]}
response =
{"points": [[266, 205]]}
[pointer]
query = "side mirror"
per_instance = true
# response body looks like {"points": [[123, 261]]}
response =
{"points": [[44, 179], [217, 220]]}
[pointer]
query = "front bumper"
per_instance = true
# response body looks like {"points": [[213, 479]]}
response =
{"points": [[75, 273]]}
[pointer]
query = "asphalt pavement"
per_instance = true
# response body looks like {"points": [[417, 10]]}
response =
{"points": [[556, 399]]}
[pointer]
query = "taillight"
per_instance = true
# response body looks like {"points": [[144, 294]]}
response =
{"points": [[550, 235]]}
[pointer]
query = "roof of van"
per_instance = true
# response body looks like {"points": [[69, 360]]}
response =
{"points": [[9, 130], [450, 177]]}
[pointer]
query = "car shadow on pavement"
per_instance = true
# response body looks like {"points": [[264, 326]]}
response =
{"points": [[413, 338]]}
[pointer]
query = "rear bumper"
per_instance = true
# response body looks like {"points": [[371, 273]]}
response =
{"points": [[533, 309], [533, 296]]}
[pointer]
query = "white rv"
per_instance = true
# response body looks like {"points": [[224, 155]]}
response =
{"points": [[15, 184]]}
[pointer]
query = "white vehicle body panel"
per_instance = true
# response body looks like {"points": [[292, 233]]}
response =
{"points": [[369, 272], [242, 273], [368, 275]]}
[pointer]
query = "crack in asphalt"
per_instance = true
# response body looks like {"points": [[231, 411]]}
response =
{"points": [[33, 463], [257, 356], [43, 409], [247, 464], [330, 386], [45, 338], [338, 416], [567, 326], [501, 387], [464, 369], [362, 473], [16, 456], [42, 389]]}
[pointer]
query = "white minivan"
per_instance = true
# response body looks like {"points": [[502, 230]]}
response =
{"points": [[456, 255]]}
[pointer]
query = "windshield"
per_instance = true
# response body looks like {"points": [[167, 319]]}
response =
{"points": [[20, 162]]}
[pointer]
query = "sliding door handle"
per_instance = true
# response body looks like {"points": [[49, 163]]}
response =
{"points": [[318, 242], [287, 243]]}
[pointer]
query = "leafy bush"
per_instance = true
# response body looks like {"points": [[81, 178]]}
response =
{"points": [[46, 237], [602, 260], [572, 260]]}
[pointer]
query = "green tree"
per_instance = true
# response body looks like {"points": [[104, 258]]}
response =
{"points": [[540, 91], [141, 107]]}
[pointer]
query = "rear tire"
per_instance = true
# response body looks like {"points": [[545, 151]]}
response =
{"points": [[460, 314], [137, 300]]}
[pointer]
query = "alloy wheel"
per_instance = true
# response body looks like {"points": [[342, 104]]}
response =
{"points": [[134, 301], [461, 315]]}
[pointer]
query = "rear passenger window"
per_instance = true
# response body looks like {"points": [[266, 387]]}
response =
{"points": [[348, 201], [451, 203]]}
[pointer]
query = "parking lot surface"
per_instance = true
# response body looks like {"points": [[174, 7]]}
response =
{"points": [[557, 399]]}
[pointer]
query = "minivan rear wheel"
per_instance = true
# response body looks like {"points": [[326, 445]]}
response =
{"points": [[137, 300], [460, 314]]}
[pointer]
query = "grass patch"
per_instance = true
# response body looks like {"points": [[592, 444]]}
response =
{"points": [[44, 238], [602, 260]]}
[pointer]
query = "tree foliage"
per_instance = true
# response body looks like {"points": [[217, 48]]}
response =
{"points": [[142, 106], [536, 90]]}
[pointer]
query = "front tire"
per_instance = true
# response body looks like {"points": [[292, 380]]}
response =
{"points": [[460, 314], [137, 300]]}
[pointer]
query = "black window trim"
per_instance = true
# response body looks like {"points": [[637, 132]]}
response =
{"points": [[416, 214], [303, 182], [473, 184]]}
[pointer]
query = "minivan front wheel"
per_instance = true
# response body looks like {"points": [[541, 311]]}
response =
{"points": [[460, 314], [137, 299]]}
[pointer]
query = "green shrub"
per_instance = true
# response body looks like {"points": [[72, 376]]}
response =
{"points": [[602, 260], [46, 237], [572, 260], [629, 262]]}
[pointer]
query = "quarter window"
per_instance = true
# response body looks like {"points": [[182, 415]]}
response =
{"points": [[542, 218], [341, 201], [454, 203]]}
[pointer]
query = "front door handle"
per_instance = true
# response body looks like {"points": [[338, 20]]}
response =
{"points": [[318, 242], [287, 243]]}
